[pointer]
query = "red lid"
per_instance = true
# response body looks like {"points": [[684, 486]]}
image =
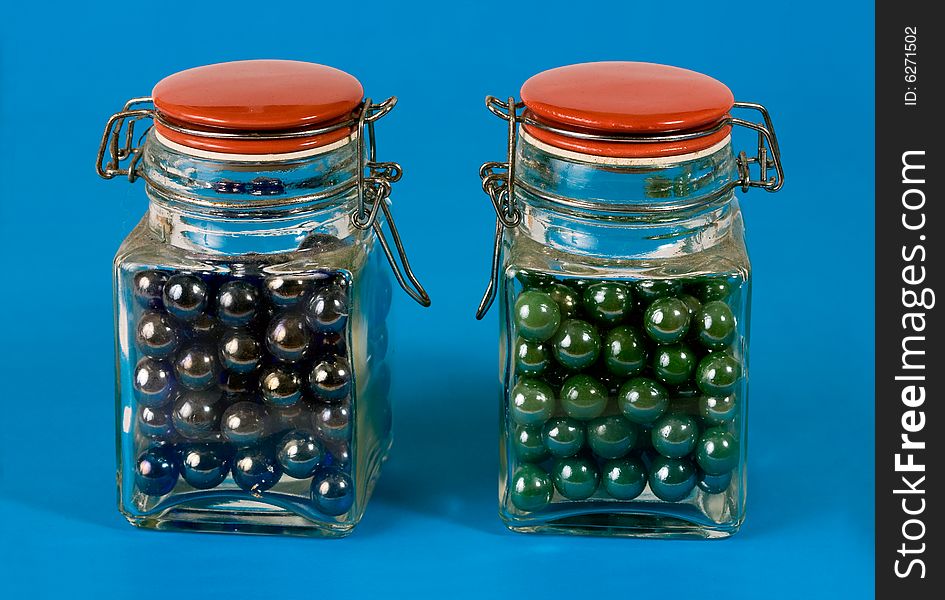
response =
{"points": [[630, 98], [256, 96]]}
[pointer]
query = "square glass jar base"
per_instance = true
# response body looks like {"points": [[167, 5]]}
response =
{"points": [[624, 525], [256, 523]]}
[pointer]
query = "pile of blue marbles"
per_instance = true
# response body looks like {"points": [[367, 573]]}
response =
{"points": [[242, 380]]}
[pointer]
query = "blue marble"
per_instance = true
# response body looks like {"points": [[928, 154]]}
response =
{"points": [[205, 466], [299, 453], [156, 470], [254, 470], [332, 491]]}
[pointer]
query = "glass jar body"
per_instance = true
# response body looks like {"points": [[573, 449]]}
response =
{"points": [[624, 303], [252, 387]]}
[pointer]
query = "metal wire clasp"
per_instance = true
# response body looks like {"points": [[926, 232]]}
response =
{"points": [[129, 150], [767, 142], [119, 154], [498, 179], [374, 189]]}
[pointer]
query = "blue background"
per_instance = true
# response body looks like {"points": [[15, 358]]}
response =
{"points": [[432, 526]]}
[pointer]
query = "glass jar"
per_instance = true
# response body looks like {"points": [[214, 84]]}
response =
{"points": [[624, 290], [251, 301]]}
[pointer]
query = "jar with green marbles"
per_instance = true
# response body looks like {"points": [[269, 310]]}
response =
{"points": [[623, 285]]}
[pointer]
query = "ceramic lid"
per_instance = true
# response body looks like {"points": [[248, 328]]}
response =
{"points": [[261, 96], [626, 98]]}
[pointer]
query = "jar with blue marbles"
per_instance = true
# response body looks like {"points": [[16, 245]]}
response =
{"points": [[623, 285], [252, 300]]}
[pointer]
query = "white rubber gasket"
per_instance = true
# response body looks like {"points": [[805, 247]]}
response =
{"points": [[252, 158], [654, 161]]}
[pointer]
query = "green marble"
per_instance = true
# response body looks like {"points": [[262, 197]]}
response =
{"points": [[673, 364], [531, 358], [672, 479], [624, 351], [692, 304], [642, 400], [717, 410], [569, 300], [528, 444], [531, 488], [576, 478], [563, 436], [535, 280], [608, 302], [714, 484], [715, 325], [717, 453], [532, 403], [577, 344], [713, 289], [675, 435], [718, 374], [666, 320], [612, 436], [650, 290], [537, 315], [583, 397], [624, 479]]}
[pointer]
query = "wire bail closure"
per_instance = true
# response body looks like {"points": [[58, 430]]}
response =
{"points": [[373, 197], [498, 178], [119, 154], [128, 151]]}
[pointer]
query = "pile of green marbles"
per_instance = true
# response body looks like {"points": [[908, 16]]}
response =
{"points": [[618, 384]]}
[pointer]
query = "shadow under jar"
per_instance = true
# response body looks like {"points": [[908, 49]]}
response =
{"points": [[624, 284], [251, 301]]}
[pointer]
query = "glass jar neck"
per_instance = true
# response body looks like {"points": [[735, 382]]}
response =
{"points": [[625, 208], [238, 204]]}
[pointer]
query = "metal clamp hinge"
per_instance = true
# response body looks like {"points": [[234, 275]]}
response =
{"points": [[123, 151], [375, 180], [498, 179], [768, 153]]}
